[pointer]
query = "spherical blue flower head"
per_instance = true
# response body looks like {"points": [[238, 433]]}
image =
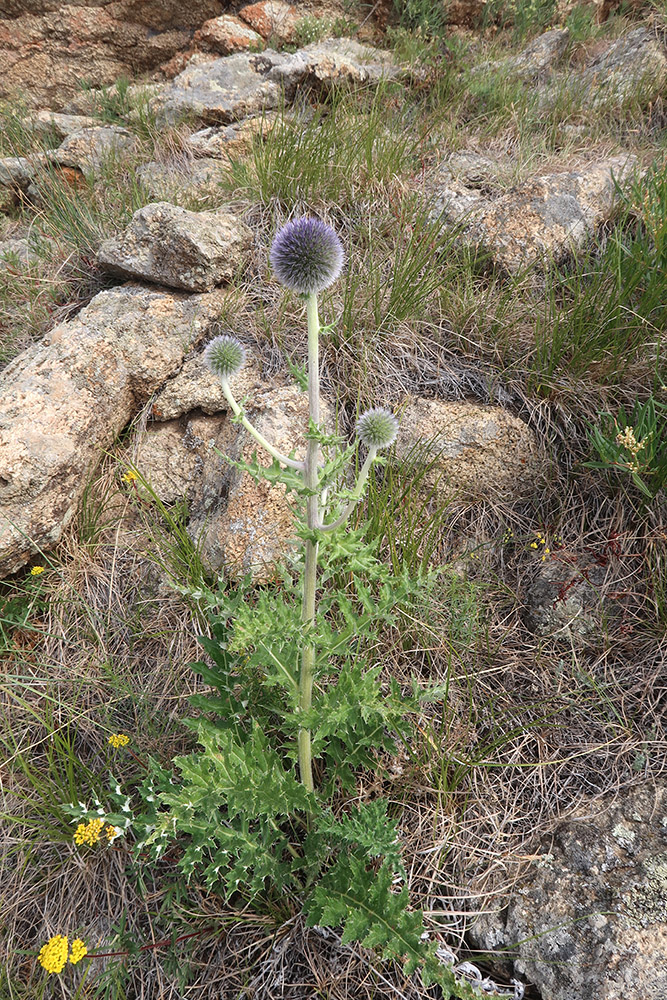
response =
{"points": [[377, 428], [225, 356], [307, 255]]}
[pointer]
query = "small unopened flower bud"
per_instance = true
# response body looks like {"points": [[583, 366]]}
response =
{"points": [[377, 428], [225, 356], [307, 255]]}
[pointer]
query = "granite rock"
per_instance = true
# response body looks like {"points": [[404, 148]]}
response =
{"points": [[171, 246], [64, 400]]}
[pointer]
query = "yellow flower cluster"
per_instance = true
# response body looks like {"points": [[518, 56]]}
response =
{"points": [[130, 476], [89, 833], [53, 955], [119, 740], [628, 441], [78, 951], [36, 570]]}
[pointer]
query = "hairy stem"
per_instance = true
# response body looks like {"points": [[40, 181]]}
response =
{"points": [[356, 493], [310, 570], [229, 396]]}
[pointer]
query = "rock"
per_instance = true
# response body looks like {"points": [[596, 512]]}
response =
{"points": [[18, 172], [328, 63], [633, 68], [184, 182], [47, 48], [274, 20], [225, 90], [240, 525], [481, 450], [589, 920], [253, 533], [227, 34], [49, 125], [546, 218], [195, 387], [541, 55], [223, 141], [17, 250], [64, 400], [573, 594], [219, 91], [171, 246], [476, 172], [91, 147], [534, 61]]}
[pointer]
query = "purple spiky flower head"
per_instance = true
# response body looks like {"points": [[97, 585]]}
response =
{"points": [[377, 428], [225, 356], [307, 255]]}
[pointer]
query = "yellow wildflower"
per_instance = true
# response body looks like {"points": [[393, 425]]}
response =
{"points": [[53, 955], [78, 951], [130, 476], [533, 545], [36, 570], [628, 441], [110, 832], [119, 740], [89, 833]]}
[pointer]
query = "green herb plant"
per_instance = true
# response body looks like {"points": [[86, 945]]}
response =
{"points": [[634, 444]]}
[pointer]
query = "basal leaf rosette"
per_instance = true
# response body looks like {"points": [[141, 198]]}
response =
{"points": [[306, 255], [225, 356], [377, 428]]}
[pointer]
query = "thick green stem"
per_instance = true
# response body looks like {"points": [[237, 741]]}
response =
{"points": [[310, 570]]}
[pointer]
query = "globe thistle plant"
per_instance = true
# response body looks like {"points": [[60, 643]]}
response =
{"points": [[307, 257], [225, 356], [377, 428]]}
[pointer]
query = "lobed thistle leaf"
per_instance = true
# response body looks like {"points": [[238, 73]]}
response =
{"points": [[307, 255], [377, 428], [225, 356]]}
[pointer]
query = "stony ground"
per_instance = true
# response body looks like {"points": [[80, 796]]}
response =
{"points": [[501, 192]]}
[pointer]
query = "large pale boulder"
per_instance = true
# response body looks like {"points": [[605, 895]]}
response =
{"points": [[64, 400], [545, 218], [181, 249], [536, 60], [89, 148], [633, 67], [49, 125], [589, 920], [221, 91], [477, 450]]}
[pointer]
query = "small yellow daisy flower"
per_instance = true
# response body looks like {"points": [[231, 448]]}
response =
{"points": [[53, 954], [119, 740], [36, 570], [78, 951]]}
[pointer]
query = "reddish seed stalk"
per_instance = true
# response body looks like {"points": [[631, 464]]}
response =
{"points": [[151, 947]]}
